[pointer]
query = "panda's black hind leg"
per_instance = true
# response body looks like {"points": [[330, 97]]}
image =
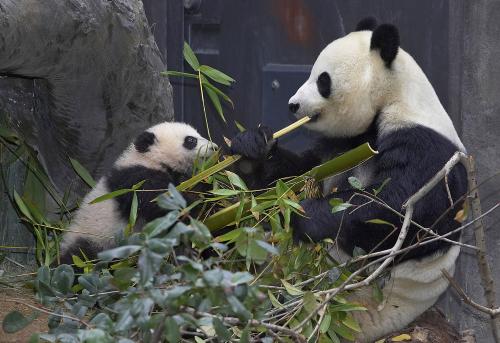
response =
{"points": [[89, 248]]}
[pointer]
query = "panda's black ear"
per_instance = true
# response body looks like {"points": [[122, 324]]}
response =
{"points": [[367, 24], [386, 39], [144, 141]]}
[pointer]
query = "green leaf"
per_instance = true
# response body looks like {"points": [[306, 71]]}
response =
{"points": [[346, 308], [236, 180], [379, 222], [120, 252], [63, 278], [343, 331], [310, 302], [178, 73], [339, 205], [351, 323], [238, 308], [267, 247], [355, 183], [292, 290], [229, 236], [82, 172], [221, 331], [15, 321], [274, 301], [225, 192], [379, 189], [111, 195], [216, 75], [172, 332], [22, 206], [216, 102], [190, 57], [220, 93], [240, 127], [325, 323], [241, 277], [133, 214]]}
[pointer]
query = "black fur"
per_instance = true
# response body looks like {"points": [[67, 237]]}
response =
{"points": [[155, 179], [144, 141], [81, 244], [386, 39], [410, 157], [190, 142], [368, 23], [324, 84], [271, 162]]}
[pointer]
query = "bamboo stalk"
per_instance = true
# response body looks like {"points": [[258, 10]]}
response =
{"points": [[337, 165], [232, 159]]}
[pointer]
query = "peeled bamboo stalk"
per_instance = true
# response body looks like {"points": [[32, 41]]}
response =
{"points": [[232, 159]]}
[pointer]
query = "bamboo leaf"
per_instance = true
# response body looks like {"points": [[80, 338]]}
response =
{"points": [[178, 73], [22, 206], [292, 290], [82, 172], [216, 75], [225, 192], [111, 195], [216, 102], [190, 57], [216, 90], [240, 127], [236, 180]]}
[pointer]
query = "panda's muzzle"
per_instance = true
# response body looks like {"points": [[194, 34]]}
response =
{"points": [[314, 117]]}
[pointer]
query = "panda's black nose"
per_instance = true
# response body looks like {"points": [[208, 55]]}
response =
{"points": [[293, 107]]}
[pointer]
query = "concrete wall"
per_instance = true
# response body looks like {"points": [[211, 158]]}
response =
{"points": [[475, 88]]}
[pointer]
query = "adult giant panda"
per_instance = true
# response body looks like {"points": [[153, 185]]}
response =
{"points": [[162, 154], [365, 88]]}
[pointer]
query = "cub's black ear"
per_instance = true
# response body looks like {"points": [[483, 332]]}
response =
{"points": [[144, 141], [367, 24], [386, 39]]}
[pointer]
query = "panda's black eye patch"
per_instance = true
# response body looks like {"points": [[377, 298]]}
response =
{"points": [[144, 141], [190, 142], [324, 83]]}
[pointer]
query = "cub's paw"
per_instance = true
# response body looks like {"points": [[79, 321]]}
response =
{"points": [[253, 143]]}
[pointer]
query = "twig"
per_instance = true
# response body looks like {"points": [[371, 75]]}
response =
{"points": [[484, 268], [253, 322], [41, 309], [467, 299]]}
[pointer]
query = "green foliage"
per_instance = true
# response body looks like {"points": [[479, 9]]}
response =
{"points": [[205, 76]]}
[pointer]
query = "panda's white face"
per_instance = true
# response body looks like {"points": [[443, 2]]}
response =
{"points": [[339, 92], [169, 144]]}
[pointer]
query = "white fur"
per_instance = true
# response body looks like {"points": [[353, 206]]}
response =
{"points": [[103, 219], [362, 86], [168, 149], [412, 288]]}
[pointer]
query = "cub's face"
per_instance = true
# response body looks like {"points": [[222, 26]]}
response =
{"points": [[169, 144], [346, 84]]}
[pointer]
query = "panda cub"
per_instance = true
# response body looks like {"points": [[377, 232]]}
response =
{"points": [[364, 88], [162, 154]]}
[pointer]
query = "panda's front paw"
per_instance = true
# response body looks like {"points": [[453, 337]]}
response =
{"points": [[315, 223], [253, 143]]}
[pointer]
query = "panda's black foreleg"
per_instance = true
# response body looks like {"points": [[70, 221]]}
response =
{"points": [[264, 161], [350, 227]]}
